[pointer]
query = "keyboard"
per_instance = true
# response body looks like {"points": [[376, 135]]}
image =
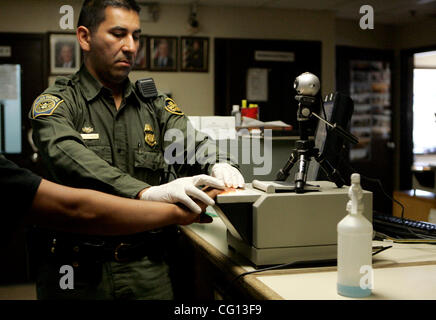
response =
{"points": [[403, 228]]}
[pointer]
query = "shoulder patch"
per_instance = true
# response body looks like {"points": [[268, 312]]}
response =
{"points": [[45, 105], [172, 107]]}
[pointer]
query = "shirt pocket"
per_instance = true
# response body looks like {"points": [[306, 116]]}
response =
{"points": [[104, 152], [149, 160]]}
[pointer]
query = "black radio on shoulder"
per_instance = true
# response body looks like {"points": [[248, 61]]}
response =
{"points": [[146, 88]]}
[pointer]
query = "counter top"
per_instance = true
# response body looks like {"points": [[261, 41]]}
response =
{"points": [[405, 271]]}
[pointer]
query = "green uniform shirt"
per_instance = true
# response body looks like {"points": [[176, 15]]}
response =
{"points": [[86, 142]]}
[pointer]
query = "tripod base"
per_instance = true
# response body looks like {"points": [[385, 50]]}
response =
{"points": [[302, 155], [281, 186]]}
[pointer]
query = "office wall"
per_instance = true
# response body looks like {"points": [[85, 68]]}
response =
{"points": [[194, 92], [348, 33], [416, 35]]}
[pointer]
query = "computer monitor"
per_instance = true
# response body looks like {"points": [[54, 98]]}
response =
{"points": [[10, 110], [334, 148]]}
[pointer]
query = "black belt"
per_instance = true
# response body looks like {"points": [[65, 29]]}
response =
{"points": [[121, 249]]}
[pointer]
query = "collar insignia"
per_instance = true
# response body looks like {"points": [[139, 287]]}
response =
{"points": [[87, 129]]}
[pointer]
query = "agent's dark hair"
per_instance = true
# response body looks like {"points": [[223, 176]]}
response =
{"points": [[92, 13]]}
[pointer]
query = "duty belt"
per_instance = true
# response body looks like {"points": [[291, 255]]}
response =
{"points": [[120, 249]]}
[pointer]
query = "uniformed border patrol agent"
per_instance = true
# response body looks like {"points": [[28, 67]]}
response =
{"points": [[95, 130]]}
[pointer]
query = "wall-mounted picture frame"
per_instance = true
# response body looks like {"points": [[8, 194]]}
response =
{"points": [[163, 53], [141, 61], [194, 53], [64, 53]]}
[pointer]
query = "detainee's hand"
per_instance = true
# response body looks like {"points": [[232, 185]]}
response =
{"points": [[187, 217], [185, 191]]}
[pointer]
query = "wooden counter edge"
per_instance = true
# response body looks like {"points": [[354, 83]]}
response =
{"points": [[255, 287]]}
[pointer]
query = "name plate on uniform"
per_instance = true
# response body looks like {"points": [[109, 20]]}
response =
{"points": [[90, 136]]}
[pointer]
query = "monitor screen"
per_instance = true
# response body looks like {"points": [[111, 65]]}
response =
{"points": [[338, 110], [2, 128], [10, 110]]}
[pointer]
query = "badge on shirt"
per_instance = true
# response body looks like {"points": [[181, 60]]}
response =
{"points": [[149, 135], [172, 107], [88, 134], [45, 105], [87, 129]]}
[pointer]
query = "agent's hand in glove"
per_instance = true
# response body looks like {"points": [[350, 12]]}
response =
{"points": [[231, 176], [181, 189]]}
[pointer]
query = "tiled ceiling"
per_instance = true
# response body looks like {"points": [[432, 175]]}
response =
{"points": [[385, 11]]}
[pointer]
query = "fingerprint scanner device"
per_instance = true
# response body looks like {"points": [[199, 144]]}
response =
{"points": [[284, 227]]}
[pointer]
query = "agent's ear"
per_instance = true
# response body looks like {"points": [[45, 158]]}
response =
{"points": [[84, 37]]}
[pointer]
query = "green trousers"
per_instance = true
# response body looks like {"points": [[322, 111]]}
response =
{"points": [[143, 279]]}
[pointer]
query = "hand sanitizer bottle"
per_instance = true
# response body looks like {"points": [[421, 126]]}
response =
{"points": [[354, 247]]}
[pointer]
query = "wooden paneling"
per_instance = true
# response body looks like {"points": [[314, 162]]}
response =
{"points": [[417, 204]]}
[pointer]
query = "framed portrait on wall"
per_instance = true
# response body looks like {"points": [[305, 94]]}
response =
{"points": [[64, 53], [163, 53], [194, 54], [141, 62]]}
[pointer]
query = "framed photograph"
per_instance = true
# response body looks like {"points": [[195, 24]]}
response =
{"points": [[141, 57], [163, 53], [64, 53], [194, 54]]}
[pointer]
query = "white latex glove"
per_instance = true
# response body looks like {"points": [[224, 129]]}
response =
{"points": [[229, 175], [180, 189]]}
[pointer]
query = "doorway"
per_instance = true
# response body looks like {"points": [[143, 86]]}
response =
{"points": [[366, 76], [28, 54], [24, 58], [273, 66], [424, 106]]}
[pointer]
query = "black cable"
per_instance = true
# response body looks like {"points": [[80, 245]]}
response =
{"points": [[381, 250], [263, 269], [255, 271], [384, 192]]}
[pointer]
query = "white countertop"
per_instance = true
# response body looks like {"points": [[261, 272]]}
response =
{"points": [[405, 271]]}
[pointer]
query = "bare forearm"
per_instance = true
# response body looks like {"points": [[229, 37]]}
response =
{"points": [[114, 215], [93, 212]]}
